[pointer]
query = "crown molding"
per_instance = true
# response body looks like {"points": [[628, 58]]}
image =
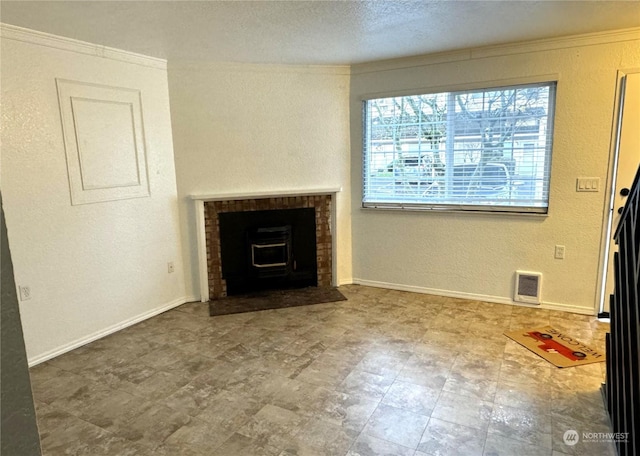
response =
{"points": [[523, 47], [565, 42], [12, 32], [226, 67]]}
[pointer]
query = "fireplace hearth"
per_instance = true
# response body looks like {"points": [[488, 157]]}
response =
{"points": [[261, 261]]}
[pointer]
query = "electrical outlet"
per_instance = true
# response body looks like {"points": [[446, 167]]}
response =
{"points": [[25, 293], [170, 267], [559, 253]]}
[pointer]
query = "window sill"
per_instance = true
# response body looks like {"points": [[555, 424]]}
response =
{"points": [[451, 210]]}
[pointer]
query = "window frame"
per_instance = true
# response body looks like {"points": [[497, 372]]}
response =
{"points": [[549, 81]]}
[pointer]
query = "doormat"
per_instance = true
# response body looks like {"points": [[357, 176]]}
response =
{"points": [[274, 299], [556, 347]]}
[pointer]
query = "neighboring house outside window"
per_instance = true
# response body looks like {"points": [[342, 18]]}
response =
{"points": [[482, 150]]}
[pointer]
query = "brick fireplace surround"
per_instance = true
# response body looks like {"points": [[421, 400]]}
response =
{"points": [[208, 208]]}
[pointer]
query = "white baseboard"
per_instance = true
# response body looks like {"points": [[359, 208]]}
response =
{"points": [[433, 291], [567, 308], [472, 296], [110, 330]]}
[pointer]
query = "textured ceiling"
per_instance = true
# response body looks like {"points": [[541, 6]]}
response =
{"points": [[313, 32]]}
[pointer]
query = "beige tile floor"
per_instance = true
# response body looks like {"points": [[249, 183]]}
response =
{"points": [[384, 373]]}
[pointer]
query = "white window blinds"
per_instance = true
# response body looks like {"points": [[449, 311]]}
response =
{"points": [[487, 150]]}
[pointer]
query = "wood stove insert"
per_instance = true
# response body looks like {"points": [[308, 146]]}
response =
{"points": [[271, 249]]}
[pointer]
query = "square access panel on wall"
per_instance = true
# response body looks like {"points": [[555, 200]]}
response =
{"points": [[104, 142]]}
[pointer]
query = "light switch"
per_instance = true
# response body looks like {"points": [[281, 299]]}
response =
{"points": [[588, 184]]}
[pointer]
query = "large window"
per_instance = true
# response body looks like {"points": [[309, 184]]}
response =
{"points": [[487, 150]]}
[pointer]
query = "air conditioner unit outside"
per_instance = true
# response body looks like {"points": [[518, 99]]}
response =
{"points": [[528, 287]]}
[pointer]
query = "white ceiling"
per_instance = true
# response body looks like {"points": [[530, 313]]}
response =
{"points": [[313, 32]]}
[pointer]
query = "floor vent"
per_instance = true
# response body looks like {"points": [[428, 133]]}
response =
{"points": [[528, 287]]}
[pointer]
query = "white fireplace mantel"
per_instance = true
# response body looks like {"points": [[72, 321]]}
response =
{"points": [[265, 194], [200, 198]]}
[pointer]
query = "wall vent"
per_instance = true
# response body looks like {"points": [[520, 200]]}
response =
{"points": [[528, 286]]}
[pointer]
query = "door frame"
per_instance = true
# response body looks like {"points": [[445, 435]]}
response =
{"points": [[607, 220]]}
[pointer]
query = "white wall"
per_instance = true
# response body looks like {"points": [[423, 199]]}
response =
{"points": [[94, 267], [476, 255], [254, 128]]}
